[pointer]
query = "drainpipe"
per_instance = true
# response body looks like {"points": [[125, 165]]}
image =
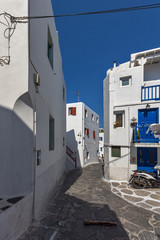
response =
{"points": [[34, 161], [34, 145], [34, 122]]}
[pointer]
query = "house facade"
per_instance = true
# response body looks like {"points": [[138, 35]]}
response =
{"points": [[82, 135], [33, 113], [101, 143], [131, 106]]}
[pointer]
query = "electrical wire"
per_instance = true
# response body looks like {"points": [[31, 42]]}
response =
{"points": [[143, 7], [8, 32], [11, 21]]}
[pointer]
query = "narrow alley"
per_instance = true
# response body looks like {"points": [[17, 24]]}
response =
{"points": [[85, 196]]}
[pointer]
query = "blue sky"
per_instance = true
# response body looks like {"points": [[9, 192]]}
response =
{"points": [[90, 44]]}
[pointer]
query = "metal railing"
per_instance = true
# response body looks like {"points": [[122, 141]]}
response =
{"points": [[140, 134], [150, 93], [72, 155]]}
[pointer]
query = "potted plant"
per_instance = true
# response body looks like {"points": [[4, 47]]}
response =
{"points": [[133, 124], [138, 135], [116, 124]]}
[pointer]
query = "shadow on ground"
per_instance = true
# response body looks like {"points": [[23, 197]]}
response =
{"points": [[80, 197]]}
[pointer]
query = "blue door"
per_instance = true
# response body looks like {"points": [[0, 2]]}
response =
{"points": [[146, 159], [146, 117]]}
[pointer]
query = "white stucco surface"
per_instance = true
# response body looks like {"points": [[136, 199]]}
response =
{"points": [[15, 220], [143, 70], [77, 140], [25, 110], [48, 101], [16, 155], [101, 143]]}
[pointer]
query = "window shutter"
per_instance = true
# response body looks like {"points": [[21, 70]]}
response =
{"points": [[74, 111], [94, 134], [87, 131]]}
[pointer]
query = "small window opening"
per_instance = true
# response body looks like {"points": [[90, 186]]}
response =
{"points": [[51, 133], [50, 48], [86, 113], [116, 151], [92, 118]]}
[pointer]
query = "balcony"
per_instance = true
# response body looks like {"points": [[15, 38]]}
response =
{"points": [[142, 135], [150, 93]]}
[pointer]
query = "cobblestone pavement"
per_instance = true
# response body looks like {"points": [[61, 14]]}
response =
{"points": [[84, 195], [148, 198]]}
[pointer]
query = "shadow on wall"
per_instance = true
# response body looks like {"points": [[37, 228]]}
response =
{"points": [[114, 161], [73, 145], [16, 147]]}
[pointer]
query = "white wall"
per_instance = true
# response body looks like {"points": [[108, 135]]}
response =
{"points": [[101, 144], [74, 135], [128, 99], [77, 141], [16, 142], [47, 101], [25, 111], [106, 112], [91, 145], [15, 220]]}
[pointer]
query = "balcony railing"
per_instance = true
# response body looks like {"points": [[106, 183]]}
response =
{"points": [[150, 93], [140, 134]]}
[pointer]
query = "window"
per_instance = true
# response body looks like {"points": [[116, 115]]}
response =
{"points": [[97, 120], [101, 149], [94, 134], [64, 95], [63, 141], [86, 113], [115, 151], [119, 119], [125, 81], [100, 138], [72, 111], [88, 155], [87, 131], [92, 118], [50, 48], [51, 133], [152, 71]]}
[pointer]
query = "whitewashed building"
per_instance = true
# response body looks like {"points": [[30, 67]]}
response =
{"points": [[82, 133], [101, 143], [32, 112], [131, 105]]}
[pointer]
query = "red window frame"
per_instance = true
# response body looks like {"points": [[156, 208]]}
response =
{"points": [[87, 131], [94, 134], [72, 111]]}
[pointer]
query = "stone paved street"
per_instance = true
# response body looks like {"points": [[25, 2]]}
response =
{"points": [[148, 198], [84, 195]]}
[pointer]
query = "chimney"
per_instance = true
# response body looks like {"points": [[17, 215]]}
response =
{"points": [[114, 64]]}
